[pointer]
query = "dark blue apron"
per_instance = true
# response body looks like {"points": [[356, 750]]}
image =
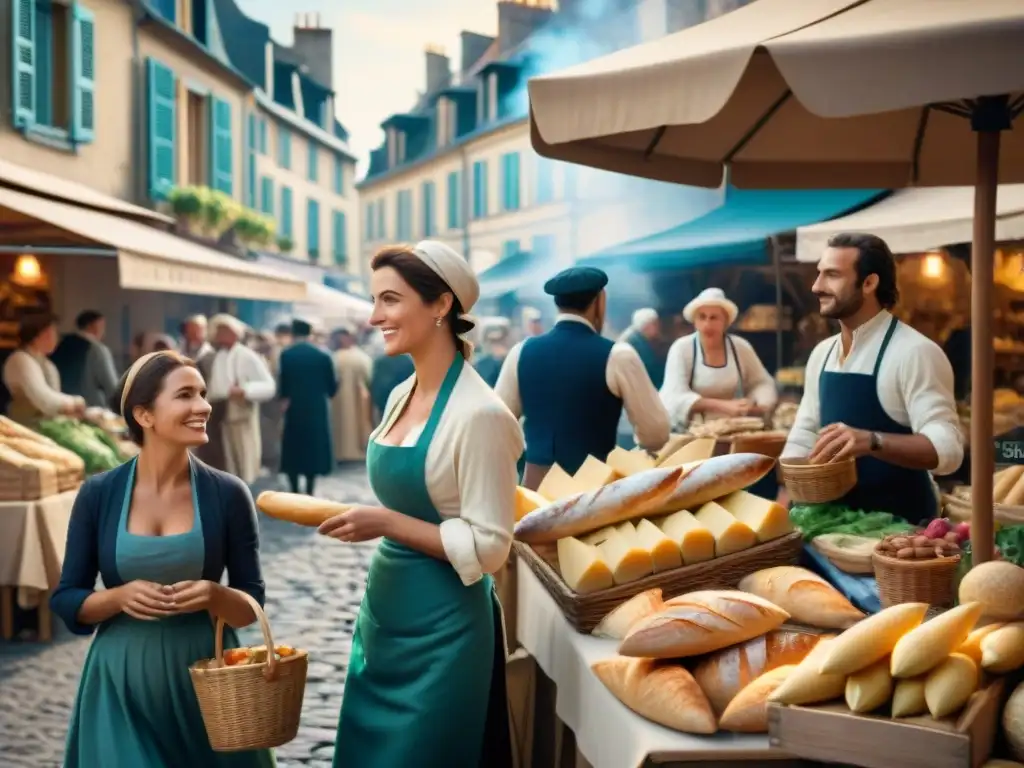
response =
{"points": [[852, 398]]}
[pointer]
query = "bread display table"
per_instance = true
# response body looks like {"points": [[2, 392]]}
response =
{"points": [[608, 734], [33, 535]]}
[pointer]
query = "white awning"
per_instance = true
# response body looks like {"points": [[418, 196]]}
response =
{"points": [[150, 259], [919, 220], [331, 307]]}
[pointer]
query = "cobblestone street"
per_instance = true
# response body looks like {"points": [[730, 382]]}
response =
{"points": [[314, 586]]}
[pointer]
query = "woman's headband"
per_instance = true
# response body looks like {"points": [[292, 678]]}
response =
{"points": [[133, 372]]}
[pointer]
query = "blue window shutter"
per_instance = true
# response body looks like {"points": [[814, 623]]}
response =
{"points": [[23, 69], [284, 148], [480, 189], [454, 201], [340, 233], [339, 175], [515, 181], [428, 208], [286, 211], [221, 157], [267, 195], [160, 86], [313, 229], [313, 159], [44, 29], [368, 223], [263, 135], [250, 161], [382, 220], [83, 71]]}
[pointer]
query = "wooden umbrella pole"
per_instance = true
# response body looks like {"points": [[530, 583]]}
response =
{"points": [[982, 352]]}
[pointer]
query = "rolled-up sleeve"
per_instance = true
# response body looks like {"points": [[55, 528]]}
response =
{"points": [[478, 541], [676, 395], [925, 378], [242, 557], [81, 561], [627, 378], [803, 435]]}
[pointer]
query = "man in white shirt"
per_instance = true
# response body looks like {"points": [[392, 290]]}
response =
{"points": [[879, 392], [239, 380]]}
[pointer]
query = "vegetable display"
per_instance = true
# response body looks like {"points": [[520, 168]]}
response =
{"points": [[90, 443], [814, 520]]}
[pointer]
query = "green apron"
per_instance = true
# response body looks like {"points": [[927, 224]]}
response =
{"points": [[426, 678]]}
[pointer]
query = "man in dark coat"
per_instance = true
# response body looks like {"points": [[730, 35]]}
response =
{"points": [[306, 384], [387, 373]]}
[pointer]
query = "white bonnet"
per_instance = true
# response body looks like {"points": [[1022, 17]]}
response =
{"points": [[451, 268]]}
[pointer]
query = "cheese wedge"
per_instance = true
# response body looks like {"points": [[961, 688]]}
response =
{"points": [[627, 529], [558, 484], [695, 450], [908, 698], [627, 561], [581, 566], [665, 553], [675, 442], [527, 501], [629, 462], [696, 543], [600, 536], [928, 645], [870, 688], [767, 519], [594, 474], [730, 534]]}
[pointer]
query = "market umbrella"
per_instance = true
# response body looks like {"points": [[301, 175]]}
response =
{"points": [[819, 93]]}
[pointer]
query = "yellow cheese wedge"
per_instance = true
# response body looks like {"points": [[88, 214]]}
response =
{"points": [[730, 534], [767, 519], [627, 529], [527, 501], [628, 562], [675, 442], [870, 688], [695, 450], [581, 566], [629, 462], [948, 687], [696, 543], [599, 536], [871, 639], [928, 645], [594, 473], [558, 484], [908, 698], [665, 553]]}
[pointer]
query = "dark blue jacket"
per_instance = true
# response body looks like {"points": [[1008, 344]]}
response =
{"points": [[230, 534]]}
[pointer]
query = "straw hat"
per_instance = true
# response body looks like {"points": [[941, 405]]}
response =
{"points": [[711, 297]]}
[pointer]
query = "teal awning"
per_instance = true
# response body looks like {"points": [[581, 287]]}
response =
{"points": [[736, 232], [513, 273]]}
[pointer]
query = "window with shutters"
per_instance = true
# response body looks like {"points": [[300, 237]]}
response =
{"points": [[161, 110], [53, 82], [267, 196], [480, 189], [455, 200], [220, 149], [197, 155], [250, 160], [403, 215], [429, 212], [264, 140], [510, 181], [286, 212], [339, 237], [313, 229]]}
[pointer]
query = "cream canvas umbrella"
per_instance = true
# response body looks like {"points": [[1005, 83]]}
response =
{"points": [[819, 93]]}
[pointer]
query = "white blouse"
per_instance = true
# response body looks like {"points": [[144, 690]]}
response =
{"points": [[35, 378], [471, 472], [716, 383]]}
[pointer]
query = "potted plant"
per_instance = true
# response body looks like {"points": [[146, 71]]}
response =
{"points": [[186, 205], [285, 244], [218, 212]]}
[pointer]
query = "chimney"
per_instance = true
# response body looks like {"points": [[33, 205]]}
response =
{"points": [[314, 45], [439, 70], [474, 45], [518, 19]]}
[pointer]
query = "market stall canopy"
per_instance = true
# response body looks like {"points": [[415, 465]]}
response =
{"points": [[736, 232], [332, 307], [514, 273], [796, 93], [150, 259], [918, 220]]}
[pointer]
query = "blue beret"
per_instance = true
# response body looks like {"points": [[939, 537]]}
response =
{"points": [[576, 280]]}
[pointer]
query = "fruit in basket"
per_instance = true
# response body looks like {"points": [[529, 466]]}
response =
{"points": [[240, 657], [998, 586]]}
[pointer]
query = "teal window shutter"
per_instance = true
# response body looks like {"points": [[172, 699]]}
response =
{"points": [[403, 216], [339, 175], [382, 220], [454, 200], [284, 148], [368, 223], [263, 136], [286, 212], [479, 189], [267, 196], [428, 209], [221, 158], [313, 229], [23, 71], [339, 231], [509, 248], [313, 161], [160, 84], [510, 181], [44, 60], [545, 192], [83, 72], [250, 161]]}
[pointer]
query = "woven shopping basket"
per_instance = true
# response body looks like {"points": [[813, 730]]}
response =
{"points": [[250, 706], [818, 483]]}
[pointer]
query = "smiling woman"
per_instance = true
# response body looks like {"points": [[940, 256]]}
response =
{"points": [[160, 530]]}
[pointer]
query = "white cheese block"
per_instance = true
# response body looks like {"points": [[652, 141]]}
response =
{"points": [[767, 519], [628, 562], [558, 484], [527, 501], [695, 450], [629, 462], [665, 553], [627, 529], [582, 567], [599, 536], [696, 543], [594, 474], [730, 534]]}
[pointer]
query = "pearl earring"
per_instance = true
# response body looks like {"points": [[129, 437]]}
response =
{"points": [[438, 322]]}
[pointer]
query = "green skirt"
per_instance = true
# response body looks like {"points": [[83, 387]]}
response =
{"points": [[136, 707]]}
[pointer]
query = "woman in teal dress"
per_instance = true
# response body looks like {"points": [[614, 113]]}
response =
{"points": [[426, 680], [160, 530]]}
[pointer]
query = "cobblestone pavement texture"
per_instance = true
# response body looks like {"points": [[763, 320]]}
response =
{"points": [[314, 586]]}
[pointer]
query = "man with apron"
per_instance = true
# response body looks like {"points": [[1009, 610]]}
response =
{"points": [[571, 384], [879, 392]]}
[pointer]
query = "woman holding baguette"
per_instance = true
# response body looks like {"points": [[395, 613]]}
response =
{"points": [[425, 684], [161, 530]]}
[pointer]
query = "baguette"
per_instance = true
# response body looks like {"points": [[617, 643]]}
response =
{"points": [[805, 596], [616, 502], [748, 712], [872, 639], [663, 693], [617, 623], [1002, 650], [1015, 496], [296, 508], [701, 622], [806, 684], [716, 477], [1004, 481]]}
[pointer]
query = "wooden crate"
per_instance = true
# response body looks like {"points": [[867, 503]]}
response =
{"points": [[832, 733]]}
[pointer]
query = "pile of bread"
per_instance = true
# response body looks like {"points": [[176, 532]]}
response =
{"points": [[714, 660], [619, 520], [33, 466]]}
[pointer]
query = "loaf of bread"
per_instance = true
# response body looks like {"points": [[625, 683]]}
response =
{"points": [[948, 687], [928, 645], [1002, 650], [60, 457], [748, 711], [716, 477], [807, 684], [908, 697], [872, 639], [723, 674], [616, 625], [805, 596], [664, 693], [701, 622], [297, 508], [972, 645], [869, 688]]}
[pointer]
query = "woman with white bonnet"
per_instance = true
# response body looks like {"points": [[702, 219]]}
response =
{"points": [[425, 684], [711, 372]]}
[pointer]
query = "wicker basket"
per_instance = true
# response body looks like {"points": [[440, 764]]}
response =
{"points": [[255, 706], [957, 506], [916, 581], [818, 483]]}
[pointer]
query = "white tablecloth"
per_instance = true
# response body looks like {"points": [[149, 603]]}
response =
{"points": [[32, 539], [608, 734]]}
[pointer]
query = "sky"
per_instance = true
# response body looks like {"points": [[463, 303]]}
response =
{"points": [[379, 50]]}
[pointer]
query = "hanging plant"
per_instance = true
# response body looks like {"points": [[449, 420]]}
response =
{"points": [[186, 205], [285, 244], [218, 211], [254, 228]]}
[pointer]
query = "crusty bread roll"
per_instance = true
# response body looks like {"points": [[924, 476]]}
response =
{"points": [[701, 622], [872, 639], [748, 712], [869, 688], [725, 673], [908, 697], [948, 687], [662, 692], [972, 645], [616, 625], [806, 684], [805, 596], [1002, 650], [296, 508], [929, 644]]}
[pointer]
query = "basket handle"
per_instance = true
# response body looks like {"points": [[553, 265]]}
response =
{"points": [[271, 670]]}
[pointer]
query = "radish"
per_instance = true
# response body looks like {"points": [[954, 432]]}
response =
{"points": [[938, 528], [963, 532]]}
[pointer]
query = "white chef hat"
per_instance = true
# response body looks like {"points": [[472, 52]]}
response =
{"points": [[644, 316], [452, 268]]}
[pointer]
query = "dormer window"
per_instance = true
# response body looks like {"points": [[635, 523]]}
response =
{"points": [[396, 146], [297, 95], [447, 121]]}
